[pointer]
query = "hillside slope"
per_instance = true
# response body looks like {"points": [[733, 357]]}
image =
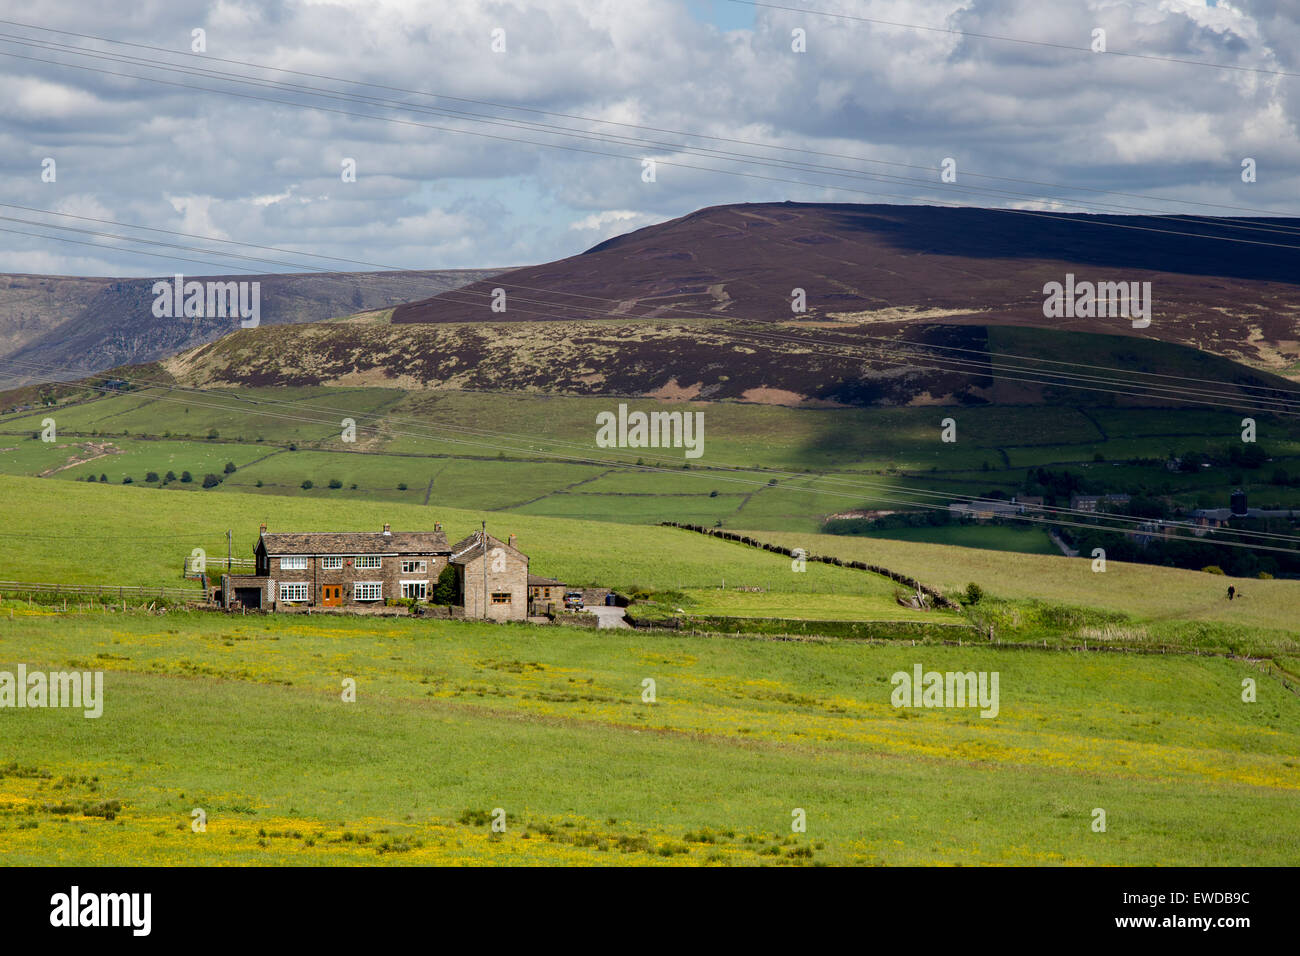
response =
{"points": [[701, 361], [871, 264], [61, 327]]}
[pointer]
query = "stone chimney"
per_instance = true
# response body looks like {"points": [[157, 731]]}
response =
{"points": [[262, 530], [387, 531], [437, 526], [511, 540]]}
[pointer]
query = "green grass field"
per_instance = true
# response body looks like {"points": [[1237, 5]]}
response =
{"points": [[535, 454], [81, 533], [243, 718], [1158, 604], [753, 693]]}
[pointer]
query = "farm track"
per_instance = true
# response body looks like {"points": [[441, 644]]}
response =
{"points": [[81, 461]]}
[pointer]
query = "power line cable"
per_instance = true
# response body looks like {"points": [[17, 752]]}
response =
{"points": [[666, 162], [1006, 39], [609, 122], [726, 156]]}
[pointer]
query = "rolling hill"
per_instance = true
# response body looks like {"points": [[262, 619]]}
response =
{"points": [[1220, 285]]}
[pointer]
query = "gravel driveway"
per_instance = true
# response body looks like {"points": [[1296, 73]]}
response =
{"points": [[609, 616]]}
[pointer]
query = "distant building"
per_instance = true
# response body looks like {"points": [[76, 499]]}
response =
{"points": [[984, 510], [1238, 508], [1217, 517], [1095, 502], [1147, 531]]}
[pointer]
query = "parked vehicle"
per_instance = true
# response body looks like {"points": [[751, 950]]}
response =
{"points": [[573, 600]]}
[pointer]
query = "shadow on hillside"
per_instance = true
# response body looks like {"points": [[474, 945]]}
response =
{"points": [[1128, 242]]}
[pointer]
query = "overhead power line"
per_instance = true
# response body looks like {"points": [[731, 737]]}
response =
{"points": [[676, 148], [839, 172], [438, 95], [879, 21]]}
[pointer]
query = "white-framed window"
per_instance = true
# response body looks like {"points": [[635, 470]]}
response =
{"points": [[331, 563], [415, 589], [368, 562], [415, 567], [295, 592], [297, 562], [500, 597], [368, 591]]}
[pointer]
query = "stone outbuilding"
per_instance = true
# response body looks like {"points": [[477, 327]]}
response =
{"points": [[491, 577]]}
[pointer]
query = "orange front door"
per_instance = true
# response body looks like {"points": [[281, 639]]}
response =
{"points": [[332, 595]]}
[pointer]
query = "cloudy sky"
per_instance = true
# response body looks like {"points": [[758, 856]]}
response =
{"points": [[153, 134]]}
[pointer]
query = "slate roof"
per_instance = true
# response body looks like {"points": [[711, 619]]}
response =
{"points": [[537, 581], [469, 548], [1223, 514], [356, 542], [246, 580]]}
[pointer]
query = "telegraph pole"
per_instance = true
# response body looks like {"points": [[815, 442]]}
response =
{"points": [[483, 538], [229, 532]]}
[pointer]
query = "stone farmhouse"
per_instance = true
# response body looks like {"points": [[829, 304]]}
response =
{"points": [[364, 570]]}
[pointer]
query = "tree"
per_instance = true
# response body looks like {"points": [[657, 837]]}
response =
{"points": [[306, 485], [170, 476], [210, 480], [103, 478], [151, 476], [444, 592], [973, 593], [230, 467], [186, 477], [335, 483]]}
